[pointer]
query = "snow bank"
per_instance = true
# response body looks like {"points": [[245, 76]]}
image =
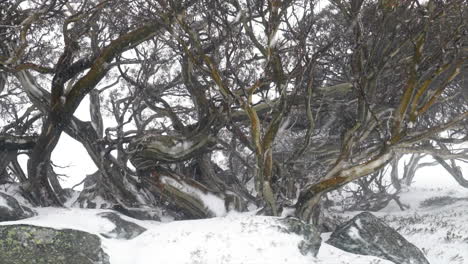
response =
{"points": [[440, 232], [234, 239]]}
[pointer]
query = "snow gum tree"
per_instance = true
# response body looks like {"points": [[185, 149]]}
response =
{"points": [[200, 107]]}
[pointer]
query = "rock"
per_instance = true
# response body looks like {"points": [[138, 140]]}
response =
{"points": [[123, 229], [18, 191], [26, 244], [11, 210], [311, 235], [366, 234]]}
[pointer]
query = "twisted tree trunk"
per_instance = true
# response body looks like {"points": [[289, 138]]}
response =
{"points": [[309, 198]]}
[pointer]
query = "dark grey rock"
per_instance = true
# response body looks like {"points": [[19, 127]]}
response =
{"points": [[366, 234], [123, 229], [11, 210], [26, 244], [312, 240]]}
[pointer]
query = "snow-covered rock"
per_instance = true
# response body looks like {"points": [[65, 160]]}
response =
{"points": [[26, 244], [11, 210], [368, 235], [123, 229]]}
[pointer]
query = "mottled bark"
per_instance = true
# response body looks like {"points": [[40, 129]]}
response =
{"points": [[193, 198], [310, 197], [14, 143], [111, 180], [151, 149], [61, 112]]}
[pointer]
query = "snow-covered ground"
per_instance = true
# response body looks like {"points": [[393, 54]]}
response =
{"points": [[233, 239], [440, 231], [439, 228]]}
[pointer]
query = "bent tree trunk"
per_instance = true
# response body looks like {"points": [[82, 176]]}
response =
{"points": [[42, 191], [194, 198], [149, 149], [61, 111], [112, 184], [454, 170], [309, 198]]}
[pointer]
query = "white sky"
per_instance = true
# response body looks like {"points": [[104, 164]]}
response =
{"points": [[71, 153], [436, 176]]}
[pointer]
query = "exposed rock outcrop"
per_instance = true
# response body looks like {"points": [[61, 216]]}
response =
{"points": [[366, 234], [26, 244], [11, 210], [123, 228]]}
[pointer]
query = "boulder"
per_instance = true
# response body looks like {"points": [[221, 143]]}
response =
{"points": [[312, 240], [26, 244], [123, 228], [366, 234], [11, 210]]}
